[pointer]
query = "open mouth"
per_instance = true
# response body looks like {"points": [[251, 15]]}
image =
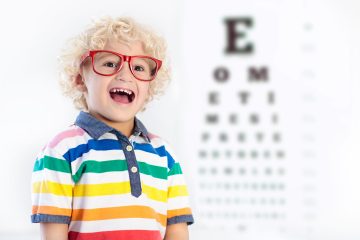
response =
{"points": [[122, 95]]}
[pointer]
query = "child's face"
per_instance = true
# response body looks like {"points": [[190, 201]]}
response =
{"points": [[104, 94]]}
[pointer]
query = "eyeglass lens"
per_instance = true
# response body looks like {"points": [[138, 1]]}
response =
{"points": [[107, 63]]}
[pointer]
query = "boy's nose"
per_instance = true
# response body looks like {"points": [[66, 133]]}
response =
{"points": [[125, 73]]}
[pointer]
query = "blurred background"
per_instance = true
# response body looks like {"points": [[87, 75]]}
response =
{"points": [[263, 109]]}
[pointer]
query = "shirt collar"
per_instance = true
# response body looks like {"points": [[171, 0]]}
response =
{"points": [[95, 128]]}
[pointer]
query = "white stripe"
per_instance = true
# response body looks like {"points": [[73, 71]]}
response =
{"points": [[115, 224], [118, 200], [151, 158], [137, 139], [46, 199], [51, 175], [157, 142], [50, 152], [161, 184], [175, 180], [178, 202], [107, 177], [108, 135], [102, 155]]}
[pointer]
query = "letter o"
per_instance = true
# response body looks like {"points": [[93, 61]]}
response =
{"points": [[221, 74]]}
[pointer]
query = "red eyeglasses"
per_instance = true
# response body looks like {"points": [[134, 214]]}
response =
{"points": [[108, 63]]}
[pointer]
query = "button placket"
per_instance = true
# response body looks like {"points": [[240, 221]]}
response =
{"points": [[132, 165]]}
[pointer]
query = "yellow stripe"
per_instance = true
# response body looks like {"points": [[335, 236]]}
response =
{"points": [[154, 193], [87, 190], [177, 191], [53, 188]]}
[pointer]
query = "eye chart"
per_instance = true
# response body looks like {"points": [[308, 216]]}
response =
{"points": [[261, 122]]}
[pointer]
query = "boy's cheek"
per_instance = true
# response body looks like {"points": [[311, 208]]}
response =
{"points": [[148, 92], [82, 88]]}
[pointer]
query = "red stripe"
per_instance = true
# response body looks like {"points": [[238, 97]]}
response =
{"points": [[117, 235]]}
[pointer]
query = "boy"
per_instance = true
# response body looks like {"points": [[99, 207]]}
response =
{"points": [[106, 176]]}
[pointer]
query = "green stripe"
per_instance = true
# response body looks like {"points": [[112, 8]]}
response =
{"points": [[91, 166], [155, 171], [52, 164], [176, 169]]}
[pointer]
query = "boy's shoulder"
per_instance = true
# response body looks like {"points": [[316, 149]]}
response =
{"points": [[158, 141], [163, 148], [68, 137], [155, 139]]}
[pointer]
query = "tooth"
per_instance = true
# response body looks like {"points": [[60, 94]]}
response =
{"points": [[118, 90]]}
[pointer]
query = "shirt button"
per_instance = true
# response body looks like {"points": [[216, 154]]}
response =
{"points": [[134, 169], [129, 148]]}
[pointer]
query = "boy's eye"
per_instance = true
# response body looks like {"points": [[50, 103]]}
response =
{"points": [[111, 64], [139, 68]]}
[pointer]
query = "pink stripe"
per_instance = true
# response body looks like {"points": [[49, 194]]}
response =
{"points": [[152, 136], [66, 134]]}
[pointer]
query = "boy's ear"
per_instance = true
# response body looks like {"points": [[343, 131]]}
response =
{"points": [[79, 83]]}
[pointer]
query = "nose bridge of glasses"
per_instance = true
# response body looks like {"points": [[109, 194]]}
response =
{"points": [[127, 58], [125, 68]]}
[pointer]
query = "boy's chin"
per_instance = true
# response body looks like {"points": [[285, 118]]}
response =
{"points": [[121, 118]]}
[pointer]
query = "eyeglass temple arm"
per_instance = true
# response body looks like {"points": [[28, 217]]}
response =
{"points": [[159, 63], [84, 56]]}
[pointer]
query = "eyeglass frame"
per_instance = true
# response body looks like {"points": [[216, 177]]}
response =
{"points": [[125, 58]]}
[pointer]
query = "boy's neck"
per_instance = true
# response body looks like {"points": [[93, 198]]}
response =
{"points": [[126, 128]]}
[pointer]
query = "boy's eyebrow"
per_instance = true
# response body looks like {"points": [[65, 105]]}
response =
{"points": [[101, 56]]}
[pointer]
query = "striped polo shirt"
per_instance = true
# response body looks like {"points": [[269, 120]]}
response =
{"points": [[107, 186]]}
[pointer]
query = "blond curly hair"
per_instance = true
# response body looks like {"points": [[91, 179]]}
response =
{"points": [[123, 29]]}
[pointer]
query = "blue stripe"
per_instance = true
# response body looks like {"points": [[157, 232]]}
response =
{"points": [[100, 145], [189, 219], [47, 218], [150, 149], [171, 161]]}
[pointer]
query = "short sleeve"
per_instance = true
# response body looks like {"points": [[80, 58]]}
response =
{"points": [[52, 188], [178, 196]]}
